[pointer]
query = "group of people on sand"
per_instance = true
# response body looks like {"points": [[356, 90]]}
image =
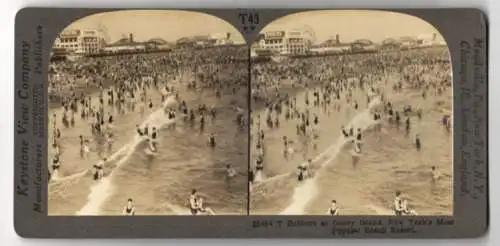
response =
{"points": [[329, 89], [101, 91]]}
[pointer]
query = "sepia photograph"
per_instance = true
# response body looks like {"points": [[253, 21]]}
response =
{"points": [[351, 114], [148, 116]]}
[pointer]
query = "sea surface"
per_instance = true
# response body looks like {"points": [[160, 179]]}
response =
{"points": [[158, 184], [389, 161]]}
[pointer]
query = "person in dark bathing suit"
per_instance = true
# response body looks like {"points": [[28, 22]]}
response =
{"points": [[154, 136], [55, 164], [333, 209], [344, 132], [408, 125], [139, 131], [129, 209], [250, 176], [418, 143], [230, 172], [193, 207], [303, 169], [211, 140], [98, 169], [259, 164]]}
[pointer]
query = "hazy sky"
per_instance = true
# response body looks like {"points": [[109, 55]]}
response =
{"points": [[146, 24], [355, 24], [172, 24]]}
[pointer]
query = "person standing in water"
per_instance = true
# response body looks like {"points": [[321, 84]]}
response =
{"points": [[333, 209], [407, 125], [202, 208], [55, 164], [250, 178], [436, 175], [398, 204], [355, 152], [211, 140], [154, 140], [99, 169], [193, 205], [139, 130], [344, 132], [418, 143], [303, 172], [129, 209], [230, 172]]}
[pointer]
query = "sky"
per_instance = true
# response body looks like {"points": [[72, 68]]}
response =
{"points": [[355, 24], [169, 25]]}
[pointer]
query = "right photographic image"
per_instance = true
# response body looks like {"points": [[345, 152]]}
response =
{"points": [[351, 114]]}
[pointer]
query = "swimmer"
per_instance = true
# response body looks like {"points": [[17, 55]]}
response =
{"points": [[407, 125], [109, 140], [211, 140], [85, 148], [129, 209], [230, 172], [333, 209], [259, 164], [303, 170], [344, 132], [405, 209], [398, 204], [436, 175], [139, 131], [55, 164], [251, 177], [201, 208], [154, 141], [285, 145], [192, 203], [98, 169], [55, 150], [355, 153], [418, 143], [359, 136]]}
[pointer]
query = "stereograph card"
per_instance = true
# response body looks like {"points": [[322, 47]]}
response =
{"points": [[238, 123]]}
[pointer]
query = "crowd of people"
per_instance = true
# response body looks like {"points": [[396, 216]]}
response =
{"points": [[329, 84], [97, 91], [101, 91]]}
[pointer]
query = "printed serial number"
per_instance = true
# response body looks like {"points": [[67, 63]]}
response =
{"points": [[266, 223]]}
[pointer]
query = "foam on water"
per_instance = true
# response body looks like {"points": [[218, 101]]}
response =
{"points": [[259, 176], [307, 190], [57, 178], [103, 188]]}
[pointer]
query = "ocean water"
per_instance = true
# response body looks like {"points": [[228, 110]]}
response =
{"points": [[158, 184], [389, 161]]}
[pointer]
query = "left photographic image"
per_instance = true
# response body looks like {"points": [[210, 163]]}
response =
{"points": [[148, 115]]}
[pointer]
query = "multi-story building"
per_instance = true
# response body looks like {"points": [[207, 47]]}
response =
{"points": [[297, 42], [274, 41], [282, 42], [90, 42], [68, 39], [80, 42]]}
